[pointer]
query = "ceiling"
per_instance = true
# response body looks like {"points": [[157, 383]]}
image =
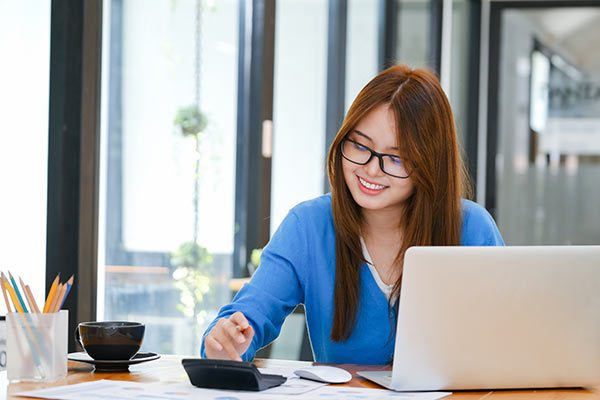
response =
{"points": [[574, 30]]}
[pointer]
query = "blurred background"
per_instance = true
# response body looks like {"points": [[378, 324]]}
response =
{"points": [[152, 147]]}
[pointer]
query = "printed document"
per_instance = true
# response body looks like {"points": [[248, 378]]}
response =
{"points": [[299, 389]]}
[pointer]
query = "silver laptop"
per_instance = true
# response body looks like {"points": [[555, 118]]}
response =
{"points": [[497, 318]]}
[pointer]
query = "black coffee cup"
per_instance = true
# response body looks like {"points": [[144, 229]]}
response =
{"points": [[110, 340]]}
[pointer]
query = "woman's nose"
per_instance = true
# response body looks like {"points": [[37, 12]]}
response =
{"points": [[372, 167]]}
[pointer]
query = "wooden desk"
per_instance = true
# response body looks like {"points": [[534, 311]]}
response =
{"points": [[168, 369]]}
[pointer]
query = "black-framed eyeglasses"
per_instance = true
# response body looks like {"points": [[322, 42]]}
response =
{"points": [[360, 154]]}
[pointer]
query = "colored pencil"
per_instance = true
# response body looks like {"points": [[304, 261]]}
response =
{"points": [[8, 307], [26, 295], [60, 294], [69, 283], [55, 298], [9, 310], [29, 335], [51, 294], [31, 302], [29, 297], [34, 309], [19, 297], [33, 305], [13, 296]]}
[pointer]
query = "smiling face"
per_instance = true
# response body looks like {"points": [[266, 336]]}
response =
{"points": [[371, 188]]}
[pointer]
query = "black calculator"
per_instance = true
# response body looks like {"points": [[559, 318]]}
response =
{"points": [[229, 375]]}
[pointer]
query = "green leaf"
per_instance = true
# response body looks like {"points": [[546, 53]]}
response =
{"points": [[190, 121]]}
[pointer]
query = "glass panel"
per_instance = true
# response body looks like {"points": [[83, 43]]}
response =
{"points": [[460, 79], [298, 104], [413, 45], [361, 46], [24, 79], [169, 115], [548, 161], [298, 127]]}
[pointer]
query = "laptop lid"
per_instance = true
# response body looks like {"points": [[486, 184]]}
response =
{"points": [[498, 317]]}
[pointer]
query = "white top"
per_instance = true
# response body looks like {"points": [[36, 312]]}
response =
{"points": [[386, 289]]}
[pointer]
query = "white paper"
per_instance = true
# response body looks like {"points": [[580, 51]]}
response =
{"points": [[105, 389], [294, 386], [353, 393], [121, 390], [125, 390], [285, 371]]}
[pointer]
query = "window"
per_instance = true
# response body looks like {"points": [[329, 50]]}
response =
{"points": [[165, 186], [361, 48], [298, 104], [548, 131], [24, 77], [416, 32]]}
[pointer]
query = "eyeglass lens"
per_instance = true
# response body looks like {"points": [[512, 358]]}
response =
{"points": [[361, 154]]}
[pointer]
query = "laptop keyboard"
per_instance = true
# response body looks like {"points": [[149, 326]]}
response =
{"points": [[387, 379]]}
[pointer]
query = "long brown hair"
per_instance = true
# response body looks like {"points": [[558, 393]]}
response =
{"points": [[426, 136]]}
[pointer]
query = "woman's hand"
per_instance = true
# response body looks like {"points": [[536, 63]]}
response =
{"points": [[229, 338]]}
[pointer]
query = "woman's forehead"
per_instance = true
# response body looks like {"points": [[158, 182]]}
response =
{"points": [[378, 127]]}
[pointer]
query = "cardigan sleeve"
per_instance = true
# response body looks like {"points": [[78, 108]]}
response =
{"points": [[276, 288], [479, 228]]}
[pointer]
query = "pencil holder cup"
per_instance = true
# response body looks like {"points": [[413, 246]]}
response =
{"points": [[37, 346]]}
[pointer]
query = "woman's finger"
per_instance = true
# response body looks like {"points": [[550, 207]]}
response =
{"points": [[223, 337], [232, 330], [212, 343], [231, 351], [248, 332], [239, 319]]}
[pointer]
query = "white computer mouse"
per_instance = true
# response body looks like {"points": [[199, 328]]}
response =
{"points": [[324, 373]]}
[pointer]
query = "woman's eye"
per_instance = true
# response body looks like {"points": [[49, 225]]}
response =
{"points": [[360, 146], [396, 160]]}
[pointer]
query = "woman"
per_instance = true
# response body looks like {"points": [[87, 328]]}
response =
{"points": [[396, 181]]}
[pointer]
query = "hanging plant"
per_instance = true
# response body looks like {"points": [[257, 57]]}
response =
{"points": [[190, 121], [193, 267], [193, 264]]}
